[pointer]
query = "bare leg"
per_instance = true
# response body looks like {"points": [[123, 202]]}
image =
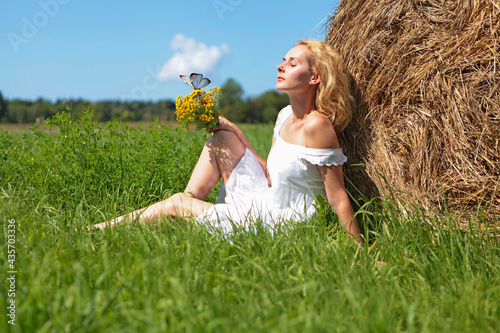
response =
{"points": [[219, 157], [180, 204]]}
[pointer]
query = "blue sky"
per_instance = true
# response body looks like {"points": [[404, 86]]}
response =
{"points": [[131, 50]]}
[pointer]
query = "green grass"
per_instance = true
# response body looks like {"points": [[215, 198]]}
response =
{"points": [[178, 277]]}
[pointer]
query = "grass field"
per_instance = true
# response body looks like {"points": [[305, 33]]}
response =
{"points": [[180, 278]]}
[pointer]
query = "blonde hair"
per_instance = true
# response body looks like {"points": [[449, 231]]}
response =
{"points": [[332, 94]]}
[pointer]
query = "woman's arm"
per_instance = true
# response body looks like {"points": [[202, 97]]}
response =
{"points": [[226, 125], [339, 200], [319, 133]]}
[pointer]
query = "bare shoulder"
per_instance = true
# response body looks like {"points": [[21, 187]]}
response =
{"points": [[319, 132]]}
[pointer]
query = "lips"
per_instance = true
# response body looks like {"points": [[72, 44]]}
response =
{"points": [[280, 78]]}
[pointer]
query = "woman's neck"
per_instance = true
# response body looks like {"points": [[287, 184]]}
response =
{"points": [[302, 104]]}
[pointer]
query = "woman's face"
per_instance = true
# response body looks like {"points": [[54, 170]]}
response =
{"points": [[294, 73]]}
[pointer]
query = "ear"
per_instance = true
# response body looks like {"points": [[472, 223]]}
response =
{"points": [[315, 79]]}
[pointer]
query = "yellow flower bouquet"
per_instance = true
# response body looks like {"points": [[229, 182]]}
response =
{"points": [[200, 106]]}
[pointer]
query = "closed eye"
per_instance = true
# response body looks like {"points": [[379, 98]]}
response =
{"points": [[292, 61]]}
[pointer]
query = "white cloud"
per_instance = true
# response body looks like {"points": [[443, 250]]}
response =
{"points": [[191, 56]]}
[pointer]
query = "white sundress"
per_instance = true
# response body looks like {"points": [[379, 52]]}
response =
{"points": [[295, 178]]}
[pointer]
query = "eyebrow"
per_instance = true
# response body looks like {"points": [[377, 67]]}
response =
{"points": [[292, 58]]}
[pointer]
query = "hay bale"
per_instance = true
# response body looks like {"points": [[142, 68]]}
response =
{"points": [[428, 112]]}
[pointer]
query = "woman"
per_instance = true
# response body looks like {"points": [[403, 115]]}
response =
{"points": [[305, 157]]}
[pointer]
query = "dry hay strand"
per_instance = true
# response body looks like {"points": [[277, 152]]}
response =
{"points": [[426, 80]]}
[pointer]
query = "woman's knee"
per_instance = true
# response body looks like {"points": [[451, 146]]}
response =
{"points": [[224, 138], [185, 205], [227, 149], [226, 144]]}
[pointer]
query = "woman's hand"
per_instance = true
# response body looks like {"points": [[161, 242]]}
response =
{"points": [[263, 165], [224, 124]]}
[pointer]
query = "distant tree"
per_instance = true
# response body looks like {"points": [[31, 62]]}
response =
{"points": [[167, 108], [3, 108], [265, 107], [102, 110], [231, 102], [17, 110]]}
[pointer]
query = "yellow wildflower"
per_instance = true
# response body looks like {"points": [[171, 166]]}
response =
{"points": [[199, 108]]}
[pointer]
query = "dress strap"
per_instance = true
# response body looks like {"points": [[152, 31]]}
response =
{"points": [[282, 117]]}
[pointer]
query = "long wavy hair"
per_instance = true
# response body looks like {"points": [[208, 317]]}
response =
{"points": [[332, 94]]}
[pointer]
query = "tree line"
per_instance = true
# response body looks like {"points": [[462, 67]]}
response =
{"points": [[259, 109]]}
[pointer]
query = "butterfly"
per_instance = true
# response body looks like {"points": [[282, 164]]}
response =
{"points": [[196, 81]]}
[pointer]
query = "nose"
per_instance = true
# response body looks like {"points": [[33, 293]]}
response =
{"points": [[280, 68]]}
